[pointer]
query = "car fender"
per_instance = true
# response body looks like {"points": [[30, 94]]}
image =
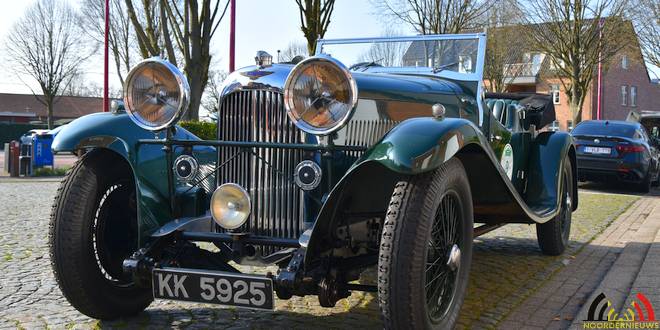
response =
{"points": [[420, 145], [117, 132], [546, 161], [423, 144]]}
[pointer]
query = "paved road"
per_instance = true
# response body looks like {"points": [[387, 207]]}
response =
{"points": [[507, 268], [61, 160]]}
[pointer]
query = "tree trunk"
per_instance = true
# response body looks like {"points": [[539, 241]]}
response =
{"points": [[576, 111], [197, 78], [196, 90], [49, 105]]}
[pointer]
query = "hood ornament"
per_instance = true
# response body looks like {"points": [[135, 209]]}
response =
{"points": [[263, 59]]}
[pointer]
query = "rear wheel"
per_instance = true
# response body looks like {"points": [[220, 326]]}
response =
{"points": [[426, 250], [645, 185], [93, 228], [553, 235]]}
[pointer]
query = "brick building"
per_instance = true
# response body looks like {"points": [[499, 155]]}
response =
{"points": [[625, 86], [25, 108]]}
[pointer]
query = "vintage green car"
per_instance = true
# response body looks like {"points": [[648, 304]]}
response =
{"points": [[319, 169]]}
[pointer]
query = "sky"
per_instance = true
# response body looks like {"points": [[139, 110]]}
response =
{"points": [[260, 25]]}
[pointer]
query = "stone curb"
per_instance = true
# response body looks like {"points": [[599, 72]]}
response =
{"points": [[619, 280], [6, 179], [647, 281]]}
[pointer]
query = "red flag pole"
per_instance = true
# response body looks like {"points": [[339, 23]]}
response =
{"points": [[232, 35], [106, 107]]}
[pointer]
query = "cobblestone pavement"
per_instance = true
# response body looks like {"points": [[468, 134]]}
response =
{"points": [[507, 267]]}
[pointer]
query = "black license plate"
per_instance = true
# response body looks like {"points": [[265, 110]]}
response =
{"points": [[222, 288]]}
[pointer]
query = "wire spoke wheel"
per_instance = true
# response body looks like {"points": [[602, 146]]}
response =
{"points": [[426, 250], [443, 257]]}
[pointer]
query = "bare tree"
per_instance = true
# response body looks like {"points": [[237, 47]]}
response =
{"points": [[183, 30], [146, 18], [85, 88], [121, 36], [388, 54], [212, 95], [646, 18], [314, 20], [506, 38], [292, 50], [436, 16], [576, 35], [48, 45]]}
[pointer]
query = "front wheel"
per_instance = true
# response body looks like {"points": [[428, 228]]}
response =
{"points": [[93, 228], [426, 250]]}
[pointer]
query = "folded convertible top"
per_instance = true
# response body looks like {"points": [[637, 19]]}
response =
{"points": [[540, 109]]}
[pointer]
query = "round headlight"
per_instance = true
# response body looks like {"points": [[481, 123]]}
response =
{"points": [[156, 94], [319, 95]]}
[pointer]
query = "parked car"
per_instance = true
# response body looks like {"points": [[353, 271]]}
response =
{"points": [[318, 169], [651, 122], [616, 150]]}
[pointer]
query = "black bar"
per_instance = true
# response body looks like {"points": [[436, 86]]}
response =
{"points": [[244, 144], [246, 239], [361, 287], [483, 229]]}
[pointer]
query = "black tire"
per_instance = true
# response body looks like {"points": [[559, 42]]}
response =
{"points": [[93, 228], [413, 235], [645, 185], [553, 235]]}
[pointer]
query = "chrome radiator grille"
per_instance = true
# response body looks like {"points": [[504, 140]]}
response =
{"points": [[267, 174]]}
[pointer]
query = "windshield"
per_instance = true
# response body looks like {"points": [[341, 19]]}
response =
{"points": [[605, 129], [454, 53]]}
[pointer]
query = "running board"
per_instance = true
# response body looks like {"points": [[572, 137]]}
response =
{"points": [[486, 228]]}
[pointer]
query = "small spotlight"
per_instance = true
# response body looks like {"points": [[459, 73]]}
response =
{"points": [[230, 206]]}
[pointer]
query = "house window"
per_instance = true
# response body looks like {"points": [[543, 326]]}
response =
{"points": [[464, 64], [569, 125], [554, 90], [624, 95], [624, 62], [633, 96], [554, 126], [557, 64]]}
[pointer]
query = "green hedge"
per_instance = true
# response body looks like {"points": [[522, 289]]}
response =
{"points": [[13, 131], [203, 130]]}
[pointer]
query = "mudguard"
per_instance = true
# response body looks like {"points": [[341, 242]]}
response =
{"points": [[118, 133], [548, 151], [421, 145]]}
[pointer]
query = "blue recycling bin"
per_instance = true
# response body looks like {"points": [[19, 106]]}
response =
{"points": [[42, 155]]}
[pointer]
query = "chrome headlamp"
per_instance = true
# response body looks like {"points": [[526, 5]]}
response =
{"points": [[156, 94], [320, 95]]}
